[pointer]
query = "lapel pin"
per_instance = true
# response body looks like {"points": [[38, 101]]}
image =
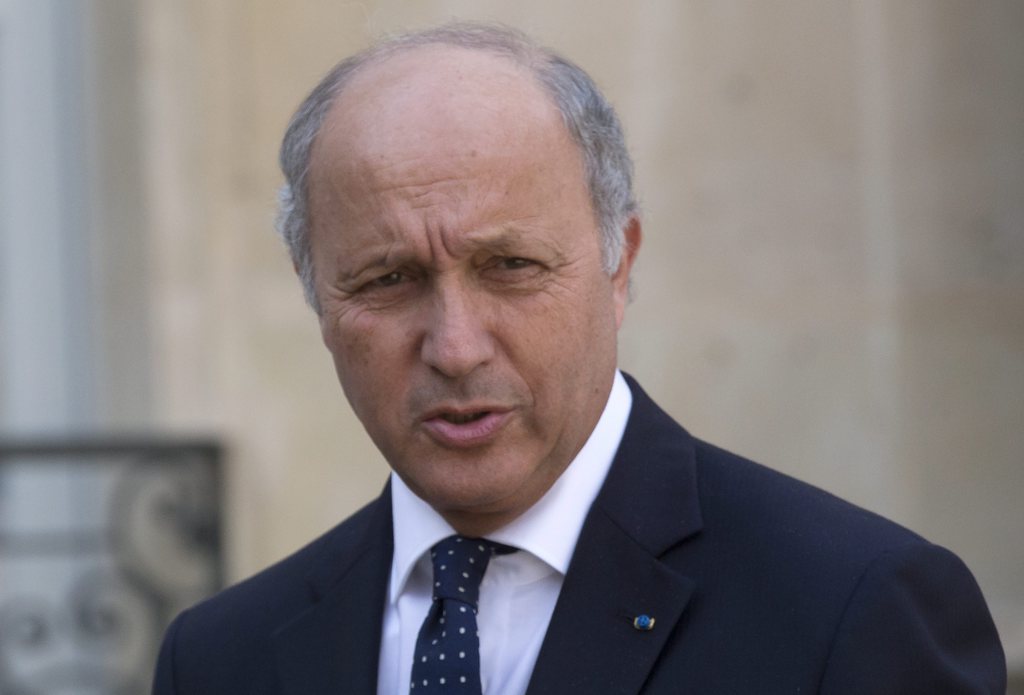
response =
{"points": [[643, 622]]}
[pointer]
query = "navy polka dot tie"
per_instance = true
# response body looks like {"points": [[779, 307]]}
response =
{"points": [[447, 657]]}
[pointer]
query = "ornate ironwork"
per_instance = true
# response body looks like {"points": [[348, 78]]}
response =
{"points": [[101, 544]]}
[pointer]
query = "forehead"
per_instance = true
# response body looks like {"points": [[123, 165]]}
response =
{"points": [[437, 100]]}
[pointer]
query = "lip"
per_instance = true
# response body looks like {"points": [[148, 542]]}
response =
{"points": [[466, 435]]}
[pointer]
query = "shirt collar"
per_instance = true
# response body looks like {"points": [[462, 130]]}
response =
{"points": [[548, 530]]}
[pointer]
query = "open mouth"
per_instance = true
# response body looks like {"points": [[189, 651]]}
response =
{"points": [[468, 428], [463, 418]]}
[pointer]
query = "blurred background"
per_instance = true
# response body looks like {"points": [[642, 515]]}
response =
{"points": [[832, 282]]}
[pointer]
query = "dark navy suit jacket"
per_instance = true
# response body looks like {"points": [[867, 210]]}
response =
{"points": [[758, 584]]}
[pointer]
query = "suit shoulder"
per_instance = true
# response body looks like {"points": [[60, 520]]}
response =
{"points": [[747, 500], [829, 587], [757, 512], [227, 642], [262, 601]]}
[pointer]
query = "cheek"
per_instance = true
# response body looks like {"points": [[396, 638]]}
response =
{"points": [[353, 335], [375, 358], [551, 344], [580, 338], [354, 359]]}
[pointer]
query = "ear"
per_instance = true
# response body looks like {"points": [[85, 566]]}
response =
{"points": [[620, 279]]}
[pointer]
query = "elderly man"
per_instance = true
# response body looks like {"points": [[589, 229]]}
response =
{"points": [[459, 209]]}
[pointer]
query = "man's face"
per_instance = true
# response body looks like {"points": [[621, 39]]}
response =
{"points": [[458, 268]]}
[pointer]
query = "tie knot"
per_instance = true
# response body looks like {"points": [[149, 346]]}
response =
{"points": [[459, 566]]}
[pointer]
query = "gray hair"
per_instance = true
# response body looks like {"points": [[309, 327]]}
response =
{"points": [[589, 117]]}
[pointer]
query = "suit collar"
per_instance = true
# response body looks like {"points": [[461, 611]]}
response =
{"points": [[648, 504], [336, 640], [651, 489]]}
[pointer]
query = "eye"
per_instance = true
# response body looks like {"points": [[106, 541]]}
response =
{"points": [[514, 272], [387, 283], [514, 263], [389, 280]]}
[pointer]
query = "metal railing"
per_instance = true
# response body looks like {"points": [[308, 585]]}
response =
{"points": [[102, 542]]}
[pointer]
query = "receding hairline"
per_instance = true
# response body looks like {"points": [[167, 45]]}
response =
{"points": [[495, 40], [375, 87], [376, 59], [364, 82]]}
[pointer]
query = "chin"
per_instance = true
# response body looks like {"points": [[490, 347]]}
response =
{"points": [[466, 500], [488, 496]]}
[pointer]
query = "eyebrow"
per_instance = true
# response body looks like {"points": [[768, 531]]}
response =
{"points": [[506, 240], [387, 259]]}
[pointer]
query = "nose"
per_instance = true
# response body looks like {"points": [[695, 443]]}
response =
{"points": [[457, 338]]}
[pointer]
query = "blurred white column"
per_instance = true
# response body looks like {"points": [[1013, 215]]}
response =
{"points": [[46, 380]]}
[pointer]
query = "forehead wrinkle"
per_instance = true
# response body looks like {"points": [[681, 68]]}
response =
{"points": [[505, 239], [458, 228]]}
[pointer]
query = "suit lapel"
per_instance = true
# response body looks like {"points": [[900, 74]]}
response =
{"points": [[333, 646], [648, 505]]}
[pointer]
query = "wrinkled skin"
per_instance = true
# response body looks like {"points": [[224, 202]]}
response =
{"points": [[458, 268]]}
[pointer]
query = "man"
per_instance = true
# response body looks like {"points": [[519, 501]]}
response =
{"points": [[459, 208]]}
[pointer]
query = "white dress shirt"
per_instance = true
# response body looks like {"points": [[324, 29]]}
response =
{"points": [[519, 590]]}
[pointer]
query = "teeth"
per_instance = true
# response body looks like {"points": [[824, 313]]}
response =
{"points": [[457, 419]]}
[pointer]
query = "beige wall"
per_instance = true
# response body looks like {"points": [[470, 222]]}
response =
{"points": [[832, 280]]}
